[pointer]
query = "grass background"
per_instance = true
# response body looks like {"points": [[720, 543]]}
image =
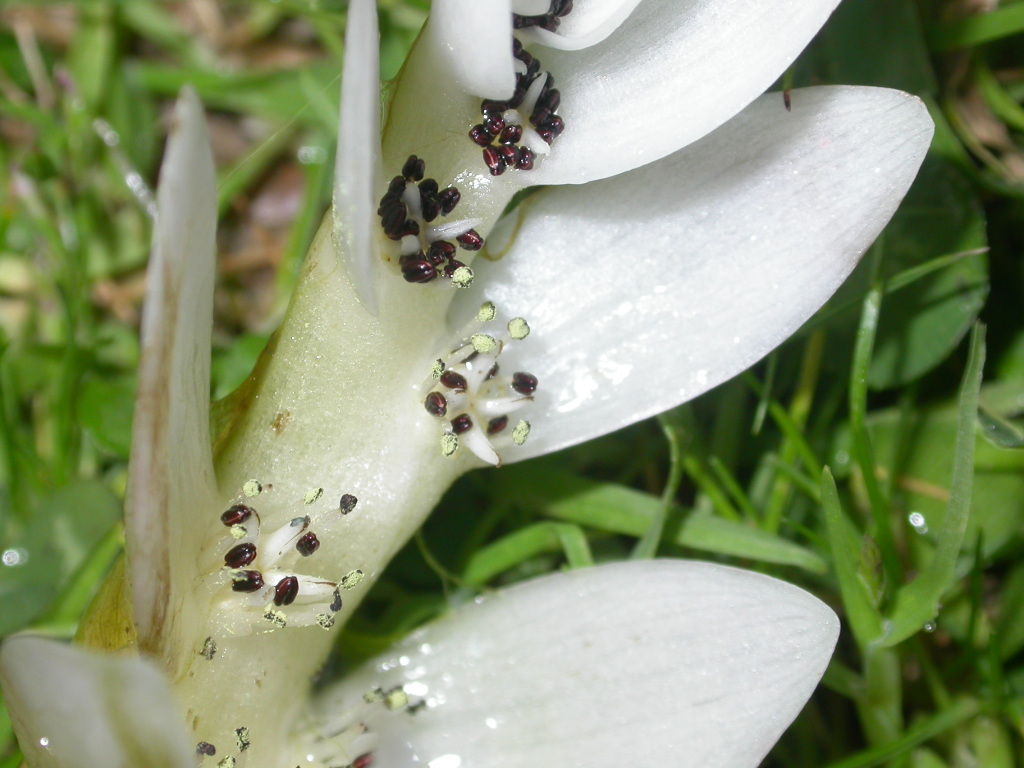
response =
{"points": [[913, 533]]}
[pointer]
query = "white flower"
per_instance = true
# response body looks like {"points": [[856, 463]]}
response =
{"points": [[642, 290], [651, 663]]}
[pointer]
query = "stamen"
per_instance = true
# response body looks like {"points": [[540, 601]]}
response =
{"points": [[514, 132], [470, 396], [548, 21], [407, 212], [257, 565]]}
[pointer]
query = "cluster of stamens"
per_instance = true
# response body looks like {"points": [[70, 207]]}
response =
{"points": [[515, 131], [350, 733], [548, 21], [205, 749], [260, 567], [407, 212], [471, 396]]}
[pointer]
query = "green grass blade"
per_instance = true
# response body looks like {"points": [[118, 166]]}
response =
{"points": [[861, 614], [918, 602]]}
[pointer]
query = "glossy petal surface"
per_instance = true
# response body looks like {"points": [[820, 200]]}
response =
{"points": [[643, 663], [672, 72], [75, 709], [677, 276]]}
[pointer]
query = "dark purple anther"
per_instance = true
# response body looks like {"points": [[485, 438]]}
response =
{"points": [[396, 187], [494, 426], [494, 124], [418, 270], [462, 423], [206, 748], [525, 160], [393, 219], [511, 135], [540, 115], [449, 198], [336, 601], [431, 207], [237, 514], [453, 380], [440, 251], [491, 107], [240, 555], [348, 503], [556, 125], [247, 581], [286, 591], [452, 267], [436, 404], [493, 161], [509, 155], [308, 544], [550, 100], [480, 135], [471, 240], [524, 383], [413, 168]]}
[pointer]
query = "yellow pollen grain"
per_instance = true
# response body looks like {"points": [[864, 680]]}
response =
{"points": [[518, 328], [351, 579], [396, 699], [252, 488], [483, 343], [521, 432], [449, 444], [462, 277], [487, 312], [313, 495]]}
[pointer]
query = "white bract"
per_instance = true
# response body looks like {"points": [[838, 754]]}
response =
{"points": [[711, 224]]}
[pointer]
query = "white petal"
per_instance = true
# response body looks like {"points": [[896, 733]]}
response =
{"points": [[671, 73], [473, 41], [357, 168], [589, 22], [653, 663], [679, 275], [72, 708], [171, 482]]}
